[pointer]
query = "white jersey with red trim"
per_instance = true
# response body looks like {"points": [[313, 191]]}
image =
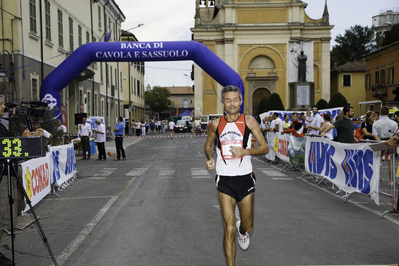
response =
{"points": [[231, 134]]}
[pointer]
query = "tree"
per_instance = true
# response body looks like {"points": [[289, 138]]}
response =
{"points": [[322, 104], [262, 106], [274, 103], [338, 100], [357, 42], [390, 36], [158, 99]]}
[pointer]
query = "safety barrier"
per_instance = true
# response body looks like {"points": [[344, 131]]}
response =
{"points": [[353, 168]]}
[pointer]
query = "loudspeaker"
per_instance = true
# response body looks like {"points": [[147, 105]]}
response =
{"points": [[78, 118]]}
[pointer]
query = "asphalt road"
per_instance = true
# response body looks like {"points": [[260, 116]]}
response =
{"points": [[160, 207]]}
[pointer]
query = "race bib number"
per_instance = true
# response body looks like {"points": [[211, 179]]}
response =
{"points": [[227, 145]]}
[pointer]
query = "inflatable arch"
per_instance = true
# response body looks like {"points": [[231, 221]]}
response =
{"points": [[79, 60]]}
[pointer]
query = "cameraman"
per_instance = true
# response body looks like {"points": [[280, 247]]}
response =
{"points": [[5, 219]]}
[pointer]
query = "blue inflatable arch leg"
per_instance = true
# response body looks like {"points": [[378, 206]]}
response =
{"points": [[79, 60]]}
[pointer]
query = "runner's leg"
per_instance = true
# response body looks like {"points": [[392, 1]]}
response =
{"points": [[227, 207], [246, 207]]}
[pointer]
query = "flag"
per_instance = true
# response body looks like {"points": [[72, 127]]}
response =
{"points": [[107, 36]]}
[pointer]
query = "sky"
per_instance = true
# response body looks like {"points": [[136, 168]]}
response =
{"points": [[171, 20]]}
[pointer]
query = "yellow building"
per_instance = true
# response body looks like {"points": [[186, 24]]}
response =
{"points": [[348, 79], [30, 52], [261, 40]]}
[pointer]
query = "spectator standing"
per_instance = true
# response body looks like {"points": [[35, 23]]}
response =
{"points": [[384, 128], [315, 122], [279, 125], [171, 128], [272, 123], [100, 139], [119, 140], [138, 128], [143, 127], [344, 127], [367, 125], [197, 126], [296, 128], [327, 123], [133, 127], [85, 133], [287, 123]]}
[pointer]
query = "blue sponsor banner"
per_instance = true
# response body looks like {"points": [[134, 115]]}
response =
{"points": [[352, 167]]}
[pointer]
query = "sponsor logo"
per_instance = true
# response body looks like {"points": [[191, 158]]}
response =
{"points": [[50, 100]]}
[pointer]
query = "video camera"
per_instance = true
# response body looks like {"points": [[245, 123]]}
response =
{"points": [[26, 110]]}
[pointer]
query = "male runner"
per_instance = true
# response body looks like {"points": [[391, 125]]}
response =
{"points": [[235, 180]]}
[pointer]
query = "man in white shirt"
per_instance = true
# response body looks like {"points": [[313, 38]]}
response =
{"points": [[85, 133], [384, 128], [171, 128], [279, 124], [100, 139], [315, 124]]}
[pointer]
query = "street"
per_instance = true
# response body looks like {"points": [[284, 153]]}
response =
{"points": [[160, 207]]}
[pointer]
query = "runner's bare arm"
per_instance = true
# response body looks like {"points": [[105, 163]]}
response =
{"points": [[210, 164], [261, 149]]}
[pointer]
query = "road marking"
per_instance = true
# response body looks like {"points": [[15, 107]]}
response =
{"points": [[103, 173], [282, 178], [166, 173], [268, 172], [85, 232], [199, 173], [71, 248], [136, 172]]}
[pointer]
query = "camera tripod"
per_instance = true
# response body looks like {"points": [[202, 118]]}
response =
{"points": [[8, 164]]}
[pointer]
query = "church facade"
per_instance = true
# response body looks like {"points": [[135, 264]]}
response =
{"points": [[263, 41]]}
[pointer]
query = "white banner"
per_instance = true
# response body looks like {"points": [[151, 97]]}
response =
{"points": [[352, 167], [36, 179], [63, 163], [332, 111], [281, 143]]}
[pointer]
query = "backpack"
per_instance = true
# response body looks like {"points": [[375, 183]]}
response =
{"points": [[358, 134]]}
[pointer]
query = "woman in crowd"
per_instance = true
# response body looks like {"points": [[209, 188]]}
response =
{"points": [[367, 125], [287, 123], [327, 123]]}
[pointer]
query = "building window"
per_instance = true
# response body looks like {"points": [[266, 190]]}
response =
{"points": [[105, 22], [102, 108], [110, 72], [346, 80], [32, 16], [95, 104], [138, 87], [88, 102], [60, 29], [390, 76], [99, 17], [116, 79], [185, 103], [106, 74], [48, 20], [376, 77], [134, 86], [382, 76], [121, 79], [70, 34], [79, 35], [35, 91], [87, 37], [367, 81], [114, 32], [101, 72]]}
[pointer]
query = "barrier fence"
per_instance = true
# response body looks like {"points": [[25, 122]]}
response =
{"points": [[353, 168]]}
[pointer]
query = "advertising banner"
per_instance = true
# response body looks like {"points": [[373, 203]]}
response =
{"points": [[36, 179], [352, 167], [281, 143], [296, 151], [63, 163]]}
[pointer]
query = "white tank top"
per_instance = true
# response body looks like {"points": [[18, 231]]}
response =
{"points": [[230, 134]]}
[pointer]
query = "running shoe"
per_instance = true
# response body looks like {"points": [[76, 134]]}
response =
{"points": [[243, 239]]}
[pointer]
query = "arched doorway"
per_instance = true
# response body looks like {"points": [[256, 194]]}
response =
{"points": [[257, 96]]}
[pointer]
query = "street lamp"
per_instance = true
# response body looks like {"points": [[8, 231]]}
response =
{"points": [[138, 26]]}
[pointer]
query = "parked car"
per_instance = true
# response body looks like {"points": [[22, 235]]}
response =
{"points": [[181, 126]]}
